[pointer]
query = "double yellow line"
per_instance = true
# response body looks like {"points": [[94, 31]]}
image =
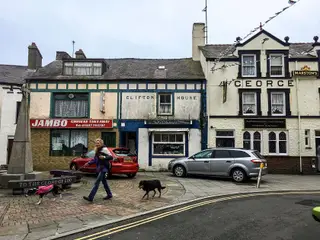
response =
{"points": [[179, 210]]}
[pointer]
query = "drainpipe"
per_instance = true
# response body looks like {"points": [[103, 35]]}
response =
{"points": [[299, 120], [207, 101]]}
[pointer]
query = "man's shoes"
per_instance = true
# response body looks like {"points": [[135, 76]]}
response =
{"points": [[107, 197], [87, 199]]}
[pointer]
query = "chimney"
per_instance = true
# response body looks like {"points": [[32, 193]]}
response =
{"points": [[160, 72], [198, 39], [34, 57], [80, 54], [60, 55]]}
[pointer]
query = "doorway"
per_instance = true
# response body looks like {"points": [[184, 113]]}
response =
{"points": [[317, 134], [131, 142], [109, 138], [9, 148]]}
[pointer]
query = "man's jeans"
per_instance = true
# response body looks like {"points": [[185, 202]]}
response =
{"points": [[101, 178]]}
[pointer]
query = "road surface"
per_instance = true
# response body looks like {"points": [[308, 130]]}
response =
{"points": [[270, 217]]}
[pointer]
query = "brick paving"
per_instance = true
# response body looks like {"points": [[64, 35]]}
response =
{"points": [[21, 218]]}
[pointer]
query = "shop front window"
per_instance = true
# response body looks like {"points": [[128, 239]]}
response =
{"points": [[278, 143], [68, 142], [252, 140], [224, 138], [168, 144]]}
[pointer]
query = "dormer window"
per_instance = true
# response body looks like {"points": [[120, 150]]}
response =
{"points": [[82, 68], [276, 65], [249, 65]]}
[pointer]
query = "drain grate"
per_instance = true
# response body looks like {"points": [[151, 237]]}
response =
{"points": [[309, 202]]}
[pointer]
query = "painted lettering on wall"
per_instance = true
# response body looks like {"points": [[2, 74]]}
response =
{"points": [[260, 83], [187, 98], [139, 97]]}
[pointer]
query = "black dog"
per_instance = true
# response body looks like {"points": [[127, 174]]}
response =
{"points": [[45, 190], [151, 185]]}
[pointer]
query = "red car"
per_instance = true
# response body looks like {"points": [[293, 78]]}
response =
{"points": [[123, 162]]}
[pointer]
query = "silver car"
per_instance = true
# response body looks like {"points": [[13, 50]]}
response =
{"points": [[237, 163]]}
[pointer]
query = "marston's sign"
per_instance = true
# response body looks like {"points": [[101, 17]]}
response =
{"points": [[71, 123], [260, 83], [305, 72]]}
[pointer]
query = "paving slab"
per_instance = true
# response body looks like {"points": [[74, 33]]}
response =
{"points": [[72, 213]]}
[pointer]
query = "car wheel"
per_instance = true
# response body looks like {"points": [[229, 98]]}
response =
{"points": [[131, 175], [74, 167], [238, 175], [179, 171]]}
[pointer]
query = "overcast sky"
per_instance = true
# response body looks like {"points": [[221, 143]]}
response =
{"points": [[141, 28]]}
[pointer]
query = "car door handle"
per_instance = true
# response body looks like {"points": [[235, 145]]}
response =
{"points": [[206, 161], [228, 161]]}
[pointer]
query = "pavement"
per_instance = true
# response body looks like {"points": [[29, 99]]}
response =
{"points": [[21, 218], [285, 217]]}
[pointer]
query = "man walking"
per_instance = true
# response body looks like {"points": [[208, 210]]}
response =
{"points": [[101, 159]]}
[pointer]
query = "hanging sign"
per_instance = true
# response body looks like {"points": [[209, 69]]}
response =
{"points": [[71, 123], [305, 72]]}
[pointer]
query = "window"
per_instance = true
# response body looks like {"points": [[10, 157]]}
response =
{"points": [[278, 143], [278, 106], [249, 103], [276, 65], [248, 64], [203, 154], [221, 154], [239, 154], [165, 104], [83, 68], [224, 138], [71, 105], [169, 144], [307, 138], [17, 111], [68, 142], [252, 140]]}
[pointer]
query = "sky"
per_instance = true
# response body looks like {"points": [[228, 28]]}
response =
{"points": [[141, 28]]}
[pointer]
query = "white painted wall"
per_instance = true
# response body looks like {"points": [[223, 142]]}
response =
{"points": [[142, 105], [8, 118], [143, 148]]}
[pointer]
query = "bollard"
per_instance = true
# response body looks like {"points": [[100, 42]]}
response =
{"points": [[260, 175]]}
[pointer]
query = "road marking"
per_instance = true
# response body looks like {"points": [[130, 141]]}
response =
{"points": [[110, 231]]}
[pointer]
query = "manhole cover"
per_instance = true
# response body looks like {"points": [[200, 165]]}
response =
{"points": [[309, 202]]}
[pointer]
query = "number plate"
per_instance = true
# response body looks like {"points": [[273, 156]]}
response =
{"points": [[127, 159]]}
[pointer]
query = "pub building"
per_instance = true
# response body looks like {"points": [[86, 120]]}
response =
{"points": [[263, 94], [153, 108]]}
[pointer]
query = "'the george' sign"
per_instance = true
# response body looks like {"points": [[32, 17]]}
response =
{"points": [[71, 123]]}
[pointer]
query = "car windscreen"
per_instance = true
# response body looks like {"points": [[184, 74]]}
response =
{"points": [[90, 154], [257, 154], [122, 152]]}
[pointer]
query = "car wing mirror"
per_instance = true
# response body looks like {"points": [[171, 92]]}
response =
{"points": [[192, 157]]}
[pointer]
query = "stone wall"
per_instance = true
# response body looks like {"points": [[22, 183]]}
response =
{"points": [[40, 143]]}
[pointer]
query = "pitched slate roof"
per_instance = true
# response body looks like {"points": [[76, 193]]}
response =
{"points": [[131, 68], [296, 50], [13, 74]]}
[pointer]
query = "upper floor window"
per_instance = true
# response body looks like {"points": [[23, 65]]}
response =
{"points": [[249, 65], [276, 65], [278, 103], [69, 105], [249, 103], [165, 104], [82, 68]]}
